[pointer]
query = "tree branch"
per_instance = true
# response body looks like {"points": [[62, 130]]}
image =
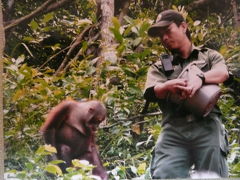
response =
{"points": [[133, 118], [27, 17], [142, 115], [53, 56], [73, 46], [44, 8], [235, 14], [198, 3], [124, 11], [56, 5], [79, 52]]}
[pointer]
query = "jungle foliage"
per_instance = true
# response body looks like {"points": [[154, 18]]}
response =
{"points": [[35, 49]]}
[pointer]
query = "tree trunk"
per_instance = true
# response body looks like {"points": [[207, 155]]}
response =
{"points": [[236, 14], [2, 43], [108, 51]]}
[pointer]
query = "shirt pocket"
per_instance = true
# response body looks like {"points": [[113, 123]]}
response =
{"points": [[203, 65]]}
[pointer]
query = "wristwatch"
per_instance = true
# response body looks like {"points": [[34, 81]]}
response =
{"points": [[202, 77]]}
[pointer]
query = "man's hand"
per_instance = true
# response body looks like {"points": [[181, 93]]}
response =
{"points": [[176, 87], [194, 83]]}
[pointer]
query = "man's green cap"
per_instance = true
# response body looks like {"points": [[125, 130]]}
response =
{"points": [[164, 19]]}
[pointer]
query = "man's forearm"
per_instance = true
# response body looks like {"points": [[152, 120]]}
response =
{"points": [[217, 75], [161, 90], [174, 86]]}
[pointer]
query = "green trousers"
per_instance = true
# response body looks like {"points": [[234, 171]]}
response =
{"points": [[182, 145]]}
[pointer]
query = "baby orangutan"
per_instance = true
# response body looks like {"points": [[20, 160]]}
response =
{"points": [[70, 127]]}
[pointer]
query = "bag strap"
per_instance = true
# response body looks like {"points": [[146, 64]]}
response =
{"points": [[145, 108]]}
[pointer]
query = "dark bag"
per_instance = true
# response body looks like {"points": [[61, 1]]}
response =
{"points": [[204, 99]]}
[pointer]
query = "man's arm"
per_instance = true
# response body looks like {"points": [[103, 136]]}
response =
{"points": [[219, 71], [217, 75], [158, 86], [175, 86]]}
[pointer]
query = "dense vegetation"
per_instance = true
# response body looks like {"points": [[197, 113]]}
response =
{"points": [[35, 49]]}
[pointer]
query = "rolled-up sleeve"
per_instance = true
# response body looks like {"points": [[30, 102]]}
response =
{"points": [[217, 59], [154, 76]]}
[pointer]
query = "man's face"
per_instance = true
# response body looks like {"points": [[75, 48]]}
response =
{"points": [[173, 36]]}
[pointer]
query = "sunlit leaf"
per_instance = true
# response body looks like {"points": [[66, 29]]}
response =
{"points": [[137, 41], [50, 148], [143, 28], [117, 34], [28, 38], [136, 128], [196, 23], [48, 17], [33, 25], [56, 46], [116, 23], [20, 93], [57, 162], [141, 168], [53, 169], [84, 21]]}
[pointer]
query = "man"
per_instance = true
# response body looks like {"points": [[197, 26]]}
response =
{"points": [[187, 140]]}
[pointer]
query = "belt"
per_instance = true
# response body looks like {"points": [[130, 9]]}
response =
{"points": [[183, 120]]}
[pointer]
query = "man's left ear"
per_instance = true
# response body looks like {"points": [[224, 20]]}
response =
{"points": [[185, 26]]}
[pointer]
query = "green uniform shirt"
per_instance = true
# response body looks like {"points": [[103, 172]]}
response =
{"points": [[210, 58]]}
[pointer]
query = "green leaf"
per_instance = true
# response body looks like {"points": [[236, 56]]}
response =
{"points": [[26, 47], [56, 47], [78, 163], [121, 48], [45, 150], [142, 71], [117, 34], [28, 38], [129, 72], [29, 166], [84, 47], [141, 168], [137, 41], [50, 148], [20, 93], [82, 164], [53, 169], [48, 17], [20, 59], [134, 29], [200, 36], [57, 162], [128, 19], [47, 29], [33, 25], [116, 23], [143, 28], [128, 30]]}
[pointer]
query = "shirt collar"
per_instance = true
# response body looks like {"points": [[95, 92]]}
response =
{"points": [[194, 53]]}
